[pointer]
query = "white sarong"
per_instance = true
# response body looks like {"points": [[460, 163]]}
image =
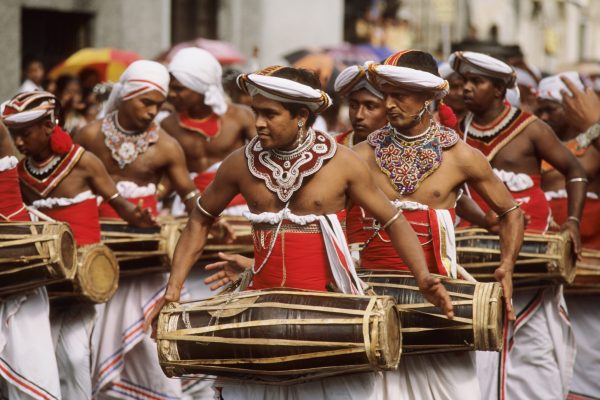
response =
{"points": [[27, 361]]}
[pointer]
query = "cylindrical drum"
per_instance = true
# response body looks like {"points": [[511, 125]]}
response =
{"points": [[34, 254], [141, 250], [96, 280], [587, 276], [544, 259], [478, 313], [279, 336]]}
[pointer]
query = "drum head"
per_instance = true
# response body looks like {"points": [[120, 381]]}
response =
{"points": [[389, 334], [98, 273], [68, 252]]}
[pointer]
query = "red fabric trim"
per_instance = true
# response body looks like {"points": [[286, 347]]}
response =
{"points": [[590, 220], [380, 254], [344, 138], [83, 218], [209, 127], [24, 384], [302, 257], [150, 202], [203, 179], [533, 203], [11, 200], [45, 186], [492, 147]]}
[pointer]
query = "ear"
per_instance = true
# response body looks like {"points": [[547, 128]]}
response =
{"points": [[48, 127], [303, 114]]}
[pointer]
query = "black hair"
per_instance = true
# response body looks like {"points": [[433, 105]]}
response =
{"points": [[420, 60], [305, 77]]}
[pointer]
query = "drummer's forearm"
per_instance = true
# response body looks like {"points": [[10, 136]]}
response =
{"points": [[511, 237], [576, 193], [409, 248], [188, 250]]}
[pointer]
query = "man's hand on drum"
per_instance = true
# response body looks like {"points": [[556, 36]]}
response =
{"points": [[139, 216], [572, 227], [503, 274], [222, 231], [171, 294], [228, 270], [436, 294]]}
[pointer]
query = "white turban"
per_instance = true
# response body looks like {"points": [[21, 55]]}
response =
{"points": [[550, 87], [283, 90], [525, 78], [354, 78], [198, 70], [481, 64], [413, 79], [445, 70], [140, 77], [21, 109]]}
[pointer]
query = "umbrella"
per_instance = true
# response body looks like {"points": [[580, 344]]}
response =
{"points": [[108, 62], [224, 52], [357, 54]]}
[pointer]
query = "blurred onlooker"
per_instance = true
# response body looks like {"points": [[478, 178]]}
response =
{"points": [[68, 92], [527, 84], [231, 88], [88, 79], [454, 98], [33, 75]]}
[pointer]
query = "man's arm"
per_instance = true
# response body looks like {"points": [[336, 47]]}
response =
{"points": [[191, 243], [177, 172], [552, 150], [363, 192], [582, 107], [482, 179], [103, 185]]}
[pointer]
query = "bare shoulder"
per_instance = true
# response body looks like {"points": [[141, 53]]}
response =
{"points": [[169, 122], [539, 129], [88, 133], [90, 163], [364, 151], [168, 143], [466, 156]]}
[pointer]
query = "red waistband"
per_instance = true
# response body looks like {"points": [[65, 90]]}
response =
{"points": [[298, 260], [11, 201], [380, 253], [203, 179], [82, 218], [150, 202]]}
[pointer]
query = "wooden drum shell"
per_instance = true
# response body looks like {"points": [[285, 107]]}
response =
{"points": [[279, 336], [478, 322], [34, 254], [587, 276]]}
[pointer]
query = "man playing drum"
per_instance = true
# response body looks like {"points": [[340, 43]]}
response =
{"points": [[205, 125], [296, 181], [420, 166], [25, 329], [515, 143], [62, 180], [137, 154], [583, 310]]}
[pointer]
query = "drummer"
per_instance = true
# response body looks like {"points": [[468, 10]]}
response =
{"points": [[515, 143], [427, 195], [583, 310], [62, 180], [206, 126], [137, 154], [285, 101], [25, 326]]}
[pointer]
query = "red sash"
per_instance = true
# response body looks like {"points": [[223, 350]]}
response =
{"points": [[44, 186], [533, 203], [203, 179], [150, 202], [83, 219], [380, 253], [590, 220], [209, 127], [298, 260], [345, 138], [11, 202]]}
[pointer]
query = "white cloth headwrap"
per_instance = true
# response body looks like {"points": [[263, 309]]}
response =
{"points": [[550, 87], [354, 78], [407, 77], [198, 70], [140, 77], [445, 70], [525, 78], [481, 64], [19, 109], [284, 91]]}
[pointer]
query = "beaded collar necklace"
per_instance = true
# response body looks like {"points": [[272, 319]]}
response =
{"points": [[283, 171], [125, 146]]}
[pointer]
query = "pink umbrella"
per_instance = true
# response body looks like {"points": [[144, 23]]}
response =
{"points": [[224, 52]]}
